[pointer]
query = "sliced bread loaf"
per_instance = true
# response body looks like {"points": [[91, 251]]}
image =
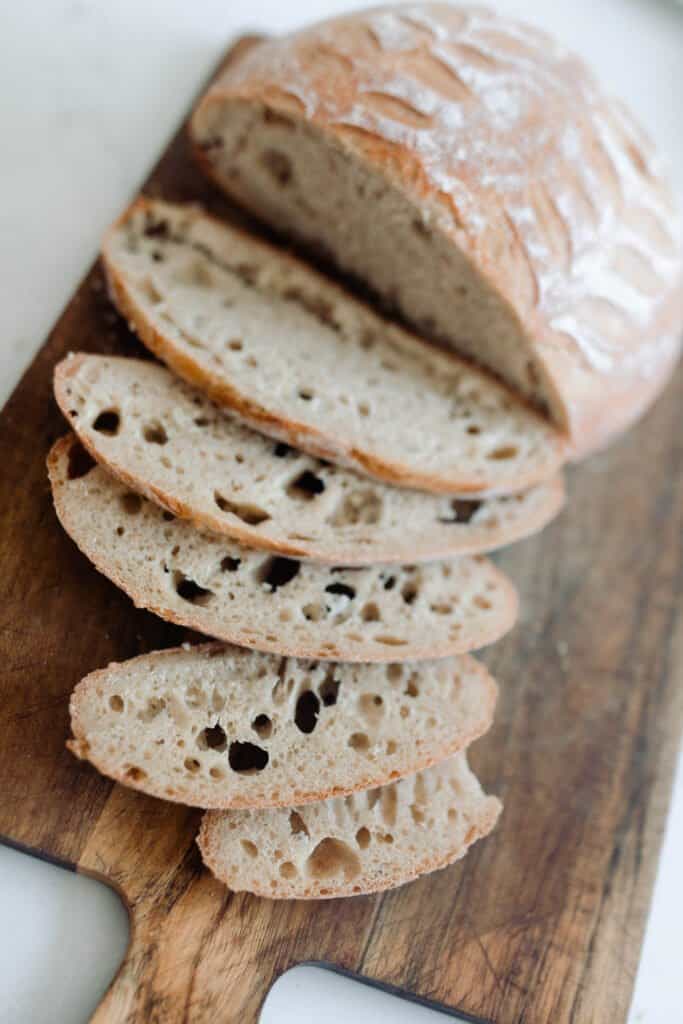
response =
{"points": [[358, 844], [170, 443], [214, 585], [217, 726], [301, 360], [473, 172]]}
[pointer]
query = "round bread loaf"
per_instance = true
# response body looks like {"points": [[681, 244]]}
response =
{"points": [[473, 173]]}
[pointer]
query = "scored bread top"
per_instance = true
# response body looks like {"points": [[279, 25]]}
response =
{"points": [[215, 585], [217, 726], [172, 444], [363, 843], [423, 141], [301, 360]]}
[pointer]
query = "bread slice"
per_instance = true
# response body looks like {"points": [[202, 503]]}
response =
{"points": [[358, 844], [169, 442], [217, 726], [216, 586], [302, 361]]}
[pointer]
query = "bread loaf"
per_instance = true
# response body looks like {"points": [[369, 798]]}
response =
{"points": [[299, 359], [169, 442], [346, 846], [216, 586], [217, 726], [473, 172]]}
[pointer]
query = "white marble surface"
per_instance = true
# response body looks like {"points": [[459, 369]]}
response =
{"points": [[90, 91]]}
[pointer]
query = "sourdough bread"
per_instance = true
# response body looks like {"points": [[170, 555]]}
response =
{"points": [[473, 172], [256, 599], [217, 726], [302, 361], [363, 843], [169, 442]]}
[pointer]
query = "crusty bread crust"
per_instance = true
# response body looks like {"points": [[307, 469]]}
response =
{"points": [[280, 790], [428, 530], [310, 638], [306, 435]]}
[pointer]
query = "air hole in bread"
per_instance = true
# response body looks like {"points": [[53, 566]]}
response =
{"points": [[230, 564], [412, 689], [359, 741], [313, 611], [329, 691], [442, 608], [394, 672], [305, 394], [333, 857], [155, 228], [216, 772], [191, 765], [409, 592], [251, 849], [190, 591], [307, 711], [154, 433], [262, 726], [370, 612], [297, 824], [463, 510], [358, 507], [287, 869], [134, 774], [390, 641], [212, 738], [371, 707], [508, 451], [250, 514], [235, 344], [372, 796], [482, 602], [278, 165], [247, 758], [473, 429], [108, 422], [80, 462], [341, 589], [363, 837], [363, 409], [277, 572], [281, 450], [390, 583], [391, 746], [306, 486], [153, 707], [167, 516], [132, 503], [116, 702], [386, 838], [195, 696], [387, 805], [202, 421]]}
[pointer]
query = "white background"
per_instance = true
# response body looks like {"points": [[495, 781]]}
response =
{"points": [[90, 91]]}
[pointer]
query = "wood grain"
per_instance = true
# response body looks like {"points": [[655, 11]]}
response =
{"points": [[543, 921]]}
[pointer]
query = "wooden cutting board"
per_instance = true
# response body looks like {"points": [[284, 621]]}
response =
{"points": [[543, 921]]}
